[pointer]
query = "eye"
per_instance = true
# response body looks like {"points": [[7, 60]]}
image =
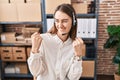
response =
{"points": [[56, 21], [64, 21]]}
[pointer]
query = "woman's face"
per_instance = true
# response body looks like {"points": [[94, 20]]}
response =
{"points": [[63, 22]]}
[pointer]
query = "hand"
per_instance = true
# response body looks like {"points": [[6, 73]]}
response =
{"points": [[36, 42], [77, 44]]}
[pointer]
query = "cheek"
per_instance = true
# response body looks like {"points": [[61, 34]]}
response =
{"points": [[68, 27], [57, 27]]}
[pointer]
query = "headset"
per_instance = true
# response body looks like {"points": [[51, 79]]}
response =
{"points": [[73, 16], [74, 21]]}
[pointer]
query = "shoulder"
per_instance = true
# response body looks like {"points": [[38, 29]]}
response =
{"points": [[47, 36]]}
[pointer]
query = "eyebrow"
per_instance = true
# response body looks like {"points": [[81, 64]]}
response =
{"points": [[62, 19]]}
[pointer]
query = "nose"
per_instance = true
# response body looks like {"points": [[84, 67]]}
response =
{"points": [[60, 25]]}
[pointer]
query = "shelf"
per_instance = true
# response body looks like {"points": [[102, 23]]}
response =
{"points": [[85, 58], [20, 22], [87, 78], [78, 15], [18, 76], [88, 38], [12, 44], [86, 15]]}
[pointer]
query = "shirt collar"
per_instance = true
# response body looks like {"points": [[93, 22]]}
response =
{"points": [[58, 40]]}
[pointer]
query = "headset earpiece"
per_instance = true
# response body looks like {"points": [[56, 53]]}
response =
{"points": [[74, 21]]}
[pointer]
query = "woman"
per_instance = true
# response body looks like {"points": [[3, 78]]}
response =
{"points": [[57, 55]]}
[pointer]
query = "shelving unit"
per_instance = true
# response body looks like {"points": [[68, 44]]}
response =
{"points": [[18, 76], [14, 76], [11, 76], [90, 47]]}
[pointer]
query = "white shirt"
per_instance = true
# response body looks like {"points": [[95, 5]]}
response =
{"points": [[55, 60]]}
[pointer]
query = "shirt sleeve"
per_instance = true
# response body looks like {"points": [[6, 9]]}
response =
{"points": [[36, 62], [75, 70]]}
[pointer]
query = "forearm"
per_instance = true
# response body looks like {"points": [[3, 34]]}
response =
{"points": [[36, 64], [75, 70]]}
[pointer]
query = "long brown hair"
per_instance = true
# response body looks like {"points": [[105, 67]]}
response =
{"points": [[69, 10]]}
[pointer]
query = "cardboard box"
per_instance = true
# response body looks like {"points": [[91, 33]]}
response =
{"points": [[19, 57], [52, 4], [28, 31], [88, 69], [8, 37], [6, 57], [20, 39], [20, 11], [80, 8], [28, 51], [29, 12], [4, 1], [28, 41], [6, 53], [6, 50], [84, 50], [17, 1], [8, 13], [21, 68], [19, 54]]}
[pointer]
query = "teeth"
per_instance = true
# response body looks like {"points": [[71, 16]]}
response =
{"points": [[64, 33]]}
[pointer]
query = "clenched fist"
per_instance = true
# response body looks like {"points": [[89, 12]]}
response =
{"points": [[36, 42], [77, 44]]}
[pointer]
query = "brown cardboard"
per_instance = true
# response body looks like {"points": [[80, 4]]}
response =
{"points": [[28, 51], [28, 41], [28, 31], [88, 69], [19, 54], [22, 67], [6, 53], [19, 11], [3, 1], [52, 4], [8, 13], [80, 8], [17, 1], [8, 37], [6, 57], [6, 50], [29, 12], [20, 39], [83, 50]]}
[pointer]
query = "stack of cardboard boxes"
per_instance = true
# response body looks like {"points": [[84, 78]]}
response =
{"points": [[20, 10], [79, 6], [14, 54]]}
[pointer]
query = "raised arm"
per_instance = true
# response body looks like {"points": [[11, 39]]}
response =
{"points": [[36, 61]]}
